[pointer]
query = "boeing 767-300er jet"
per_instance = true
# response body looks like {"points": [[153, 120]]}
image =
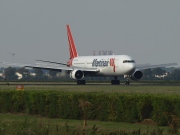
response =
{"points": [[80, 67]]}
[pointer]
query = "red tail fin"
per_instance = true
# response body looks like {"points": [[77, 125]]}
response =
{"points": [[72, 47]]}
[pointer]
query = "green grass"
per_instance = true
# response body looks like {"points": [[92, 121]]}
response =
{"points": [[14, 123], [23, 123]]}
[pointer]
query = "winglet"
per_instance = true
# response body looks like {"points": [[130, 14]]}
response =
{"points": [[72, 47]]}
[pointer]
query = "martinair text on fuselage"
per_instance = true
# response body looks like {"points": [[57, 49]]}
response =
{"points": [[103, 63]]}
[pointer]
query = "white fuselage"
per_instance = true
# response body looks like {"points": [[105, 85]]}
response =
{"points": [[108, 65]]}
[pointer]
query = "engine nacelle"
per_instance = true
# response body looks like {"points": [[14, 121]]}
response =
{"points": [[137, 75], [76, 74]]}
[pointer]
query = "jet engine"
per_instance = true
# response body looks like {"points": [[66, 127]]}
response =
{"points": [[137, 75], [77, 74]]}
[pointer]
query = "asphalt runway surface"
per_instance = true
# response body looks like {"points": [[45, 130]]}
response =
{"points": [[70, 83]]}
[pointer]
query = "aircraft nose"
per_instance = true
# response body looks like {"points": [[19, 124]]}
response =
{"points": [[131, 68]]}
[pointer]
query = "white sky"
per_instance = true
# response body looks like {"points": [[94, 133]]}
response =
{"points": [[149, 31]]}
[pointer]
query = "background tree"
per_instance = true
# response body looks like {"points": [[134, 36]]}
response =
{"points": [[10, 74], [53, 74], [39, 74], [147, 74], [175, 75], [158, 71], [25, 73]]}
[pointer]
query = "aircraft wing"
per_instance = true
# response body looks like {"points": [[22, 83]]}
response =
{"points": [[51, 67], [149, 66], [143, 65], [57, 68]]}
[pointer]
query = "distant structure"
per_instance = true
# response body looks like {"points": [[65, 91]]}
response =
{"points": [[103, 52], [20, 76], [94, 53], [110, 52]]}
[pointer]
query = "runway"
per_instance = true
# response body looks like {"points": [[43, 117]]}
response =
{"points": [[134, 88], [92, 83]]}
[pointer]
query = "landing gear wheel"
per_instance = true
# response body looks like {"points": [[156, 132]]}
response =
{"points": [[112, 82], [115, 82], [118, 82], [81, 82], [78, 82]]}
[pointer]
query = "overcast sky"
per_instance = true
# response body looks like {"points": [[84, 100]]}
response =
{"points": [[147, 30]]}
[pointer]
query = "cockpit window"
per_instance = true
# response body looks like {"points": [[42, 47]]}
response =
{"points": [[128, 61]]}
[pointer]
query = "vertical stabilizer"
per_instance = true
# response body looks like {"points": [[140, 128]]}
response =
{"points": [[72, 47]]}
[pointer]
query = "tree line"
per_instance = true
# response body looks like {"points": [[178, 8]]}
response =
{"points": [[10, 74], [13, 73]]}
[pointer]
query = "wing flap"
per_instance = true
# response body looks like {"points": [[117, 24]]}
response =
{"points": [[52, 62]]}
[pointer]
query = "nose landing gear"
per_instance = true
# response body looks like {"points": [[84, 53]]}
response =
{"points": [[127, 82]]}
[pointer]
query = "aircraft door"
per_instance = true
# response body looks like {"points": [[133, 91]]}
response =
{"points": [[116, 63], [86, 64], [116, 68]]}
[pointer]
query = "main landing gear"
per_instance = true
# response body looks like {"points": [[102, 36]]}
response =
{"points": [[81, 82], [115, 81]]}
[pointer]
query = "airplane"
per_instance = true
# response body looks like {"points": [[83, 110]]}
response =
{"points": [[80, 67]]}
